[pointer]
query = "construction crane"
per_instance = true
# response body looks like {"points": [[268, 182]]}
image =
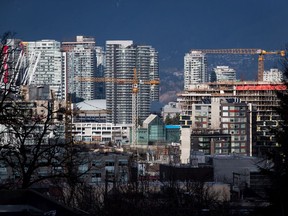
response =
{"points": [[135, 88], [259, 52]]}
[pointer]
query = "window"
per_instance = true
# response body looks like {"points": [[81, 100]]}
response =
{"points": [[236, 150], [225, 151], [83, 168], [109, 163], [97, 163], [236, 144], [123, 163]]}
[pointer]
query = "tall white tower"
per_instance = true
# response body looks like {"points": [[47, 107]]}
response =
{"points": [[223, 73], [273, 75], [48, 70], [195, 68]]}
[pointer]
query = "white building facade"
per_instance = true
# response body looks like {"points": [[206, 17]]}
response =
{"points": [[80, 62], [223, 73], [273, 75], [48, 66], [91, 133], [195, 68]]}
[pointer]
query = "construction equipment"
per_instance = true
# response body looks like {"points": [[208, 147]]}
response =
{"points": [[135, 84], [19, 73], [259, 52]]}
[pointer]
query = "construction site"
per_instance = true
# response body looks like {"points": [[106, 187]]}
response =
{"points": [[261, 95]]}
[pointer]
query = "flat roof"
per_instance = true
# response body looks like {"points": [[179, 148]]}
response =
{"points": [[92, 105], [172, 126]]}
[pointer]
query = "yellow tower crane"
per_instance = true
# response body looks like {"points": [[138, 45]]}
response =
{"points": [[135, 84], [260, 53]]}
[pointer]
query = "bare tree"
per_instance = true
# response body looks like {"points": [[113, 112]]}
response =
{"points": [[34, 147]]}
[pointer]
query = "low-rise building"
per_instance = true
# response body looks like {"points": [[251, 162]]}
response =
{"points": [[97, 133], [215, 116]]}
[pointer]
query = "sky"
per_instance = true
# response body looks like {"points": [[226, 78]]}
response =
{"points": [[173, 27]]}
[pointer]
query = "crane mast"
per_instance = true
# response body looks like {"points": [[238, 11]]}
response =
{"points": [[135, 90]]}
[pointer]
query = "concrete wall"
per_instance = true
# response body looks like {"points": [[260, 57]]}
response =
{"points": [[185, 145]]}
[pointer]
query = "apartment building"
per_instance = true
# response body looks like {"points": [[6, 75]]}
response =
{"points": [[195, 68], [100, 69], [261, 95], [223, 73], [273, 75], [226, 116], [80, 62], [47, 65], [122, 57]]}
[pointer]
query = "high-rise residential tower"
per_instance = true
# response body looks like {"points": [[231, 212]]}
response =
{"points": [[122, 57], [80, 62], [48, 66], [273, 75], [100, 59], [223, 73], [195, 68]]}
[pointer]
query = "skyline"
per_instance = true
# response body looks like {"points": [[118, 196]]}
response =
{"points": [[172, 27]]}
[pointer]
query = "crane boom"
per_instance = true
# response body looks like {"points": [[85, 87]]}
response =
{"points": [[229, 51], [117, 80], [245, 51]]}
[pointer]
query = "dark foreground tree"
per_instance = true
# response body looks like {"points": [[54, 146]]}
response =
{"points": [[33, 133], [278, 172]]}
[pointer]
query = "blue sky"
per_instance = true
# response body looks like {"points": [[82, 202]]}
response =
{"points": [[173, 27]]}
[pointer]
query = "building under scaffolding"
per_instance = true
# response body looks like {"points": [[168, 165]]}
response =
{"points": [[261, 94]]}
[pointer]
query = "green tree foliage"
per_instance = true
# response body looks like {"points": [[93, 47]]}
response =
{"points": [[172, 120]]}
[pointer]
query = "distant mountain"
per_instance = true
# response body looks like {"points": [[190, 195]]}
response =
{"points": [[171, 83]]}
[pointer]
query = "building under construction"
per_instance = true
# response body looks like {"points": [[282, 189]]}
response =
{"points": [[261, 94]]}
